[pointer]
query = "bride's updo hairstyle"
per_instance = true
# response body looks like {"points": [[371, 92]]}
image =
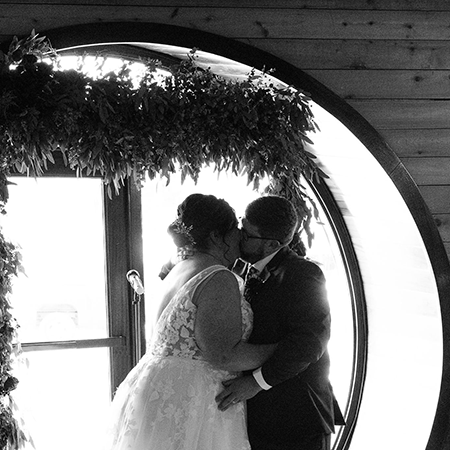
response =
{"points": [[198, 216]]}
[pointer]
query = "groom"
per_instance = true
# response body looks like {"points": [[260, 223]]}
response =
{"points": [[290, 401]]}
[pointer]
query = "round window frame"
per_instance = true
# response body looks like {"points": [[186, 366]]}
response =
{"points": [[124, 32]]}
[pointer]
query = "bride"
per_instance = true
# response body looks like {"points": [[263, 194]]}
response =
{"points": [[167, 402]]}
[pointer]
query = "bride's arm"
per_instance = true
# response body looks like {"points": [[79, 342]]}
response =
{"points": [[218, 321], [218, 326]]}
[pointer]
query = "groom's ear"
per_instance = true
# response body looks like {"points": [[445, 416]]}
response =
{"points": [[274, 245]]}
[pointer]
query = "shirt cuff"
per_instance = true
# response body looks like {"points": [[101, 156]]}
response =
{"points": [[257, 375]]}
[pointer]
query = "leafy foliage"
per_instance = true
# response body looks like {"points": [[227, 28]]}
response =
{"points": [[119, 128], [111, 127], [11, 436]]}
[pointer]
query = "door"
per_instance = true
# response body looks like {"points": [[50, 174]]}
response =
{"points": [[73, 304]]}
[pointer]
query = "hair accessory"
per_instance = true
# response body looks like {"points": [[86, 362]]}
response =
{"points": [[180, 227]]}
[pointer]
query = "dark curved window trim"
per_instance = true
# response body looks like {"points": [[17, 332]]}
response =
{"points": [[360, 325]]}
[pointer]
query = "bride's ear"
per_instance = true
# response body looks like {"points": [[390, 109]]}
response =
{"points": [[215, 238]]}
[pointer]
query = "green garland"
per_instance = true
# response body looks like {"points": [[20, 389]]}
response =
{"points": [[116, 128], [11, 435]]}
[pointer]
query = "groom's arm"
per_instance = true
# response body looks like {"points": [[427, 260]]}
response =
{"points": [[245, 356], [306, 334], [305, 325]]}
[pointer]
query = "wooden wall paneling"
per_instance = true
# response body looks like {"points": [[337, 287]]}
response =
{"points": [[358, 54], [443, 223], [401, 5], [437, 198], [386, 84], [429, 171], [404, 114], [239, 22], [419, 142]]}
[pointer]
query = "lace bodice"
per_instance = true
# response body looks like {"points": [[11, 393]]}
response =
{"points": [[167, 401], [174, 333]]}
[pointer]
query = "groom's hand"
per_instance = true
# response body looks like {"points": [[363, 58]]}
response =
{"points": [[237, 390]]}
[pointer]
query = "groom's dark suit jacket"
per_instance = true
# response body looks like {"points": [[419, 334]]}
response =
{"points": [[291, 308]]}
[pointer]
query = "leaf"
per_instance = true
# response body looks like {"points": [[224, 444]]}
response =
{"points": [[50, 157]]}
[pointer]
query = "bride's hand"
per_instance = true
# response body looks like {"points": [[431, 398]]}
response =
{"points": [[184, 253]]}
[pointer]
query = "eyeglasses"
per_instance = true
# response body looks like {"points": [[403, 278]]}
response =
{"points": [[247, 236]]}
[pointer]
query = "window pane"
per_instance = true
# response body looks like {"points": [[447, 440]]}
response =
{"points": [[58, 223], [64, 396]]}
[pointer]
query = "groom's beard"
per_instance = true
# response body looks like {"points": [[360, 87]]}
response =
{"points": [[253, 256]]}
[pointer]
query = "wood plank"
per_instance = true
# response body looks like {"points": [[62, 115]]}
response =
{"points": [[358, 54], [447, 249], [239, 22], [437, 198], [418, 142], [390, 5], [443, 224], [404, 114], [385, 84], [428, 171]]}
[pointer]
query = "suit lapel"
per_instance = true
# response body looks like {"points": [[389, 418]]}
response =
{"points": [[263, 283], [274, 263]]}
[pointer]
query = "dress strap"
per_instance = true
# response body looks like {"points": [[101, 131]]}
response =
{"points": [[202, 276]]}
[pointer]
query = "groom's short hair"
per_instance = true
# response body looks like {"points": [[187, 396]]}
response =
{"points": [[274, 216]]}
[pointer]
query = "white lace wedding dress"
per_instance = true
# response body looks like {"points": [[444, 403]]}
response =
{"points": [[167, 401]]}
